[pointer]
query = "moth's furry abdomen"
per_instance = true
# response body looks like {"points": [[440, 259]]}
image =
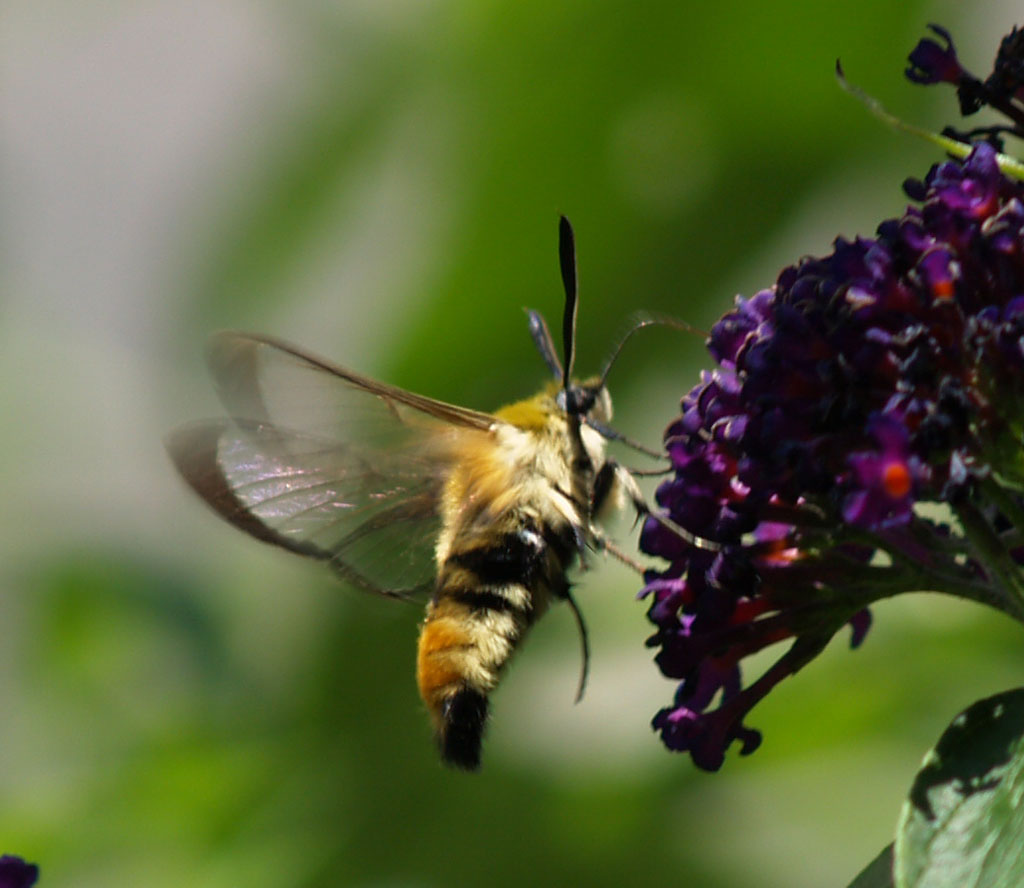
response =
{"points": [[491, 589]]}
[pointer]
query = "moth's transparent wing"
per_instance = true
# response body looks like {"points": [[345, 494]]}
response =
{"points": [[268, 380], [325, 462]]}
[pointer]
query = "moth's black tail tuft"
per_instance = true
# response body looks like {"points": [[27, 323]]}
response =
{"points": [[465, 716]]}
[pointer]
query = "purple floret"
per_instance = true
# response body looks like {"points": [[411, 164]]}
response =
{"points": [[931, 62]]}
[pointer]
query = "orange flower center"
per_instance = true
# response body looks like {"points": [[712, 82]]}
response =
{"points": [[942, 290], [896, 480]]}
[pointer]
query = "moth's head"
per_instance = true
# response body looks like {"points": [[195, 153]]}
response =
{"points": [[588, 400]]}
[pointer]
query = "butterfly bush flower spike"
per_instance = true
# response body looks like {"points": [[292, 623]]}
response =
{"points": [[860, 435]]}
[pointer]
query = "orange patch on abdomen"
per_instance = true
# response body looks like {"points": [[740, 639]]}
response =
{"points": [[438, 663]]}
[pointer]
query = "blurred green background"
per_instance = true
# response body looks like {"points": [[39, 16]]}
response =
{"points": [[380, 181]]}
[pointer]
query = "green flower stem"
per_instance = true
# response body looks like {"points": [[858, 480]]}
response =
{"points": [[918, 545], [926, 580], [988, 548], [876, 583], [912, 571], [1005, 503], [1008, 165]]}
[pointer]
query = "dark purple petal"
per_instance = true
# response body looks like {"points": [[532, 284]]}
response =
{"points": [[1006, 81], [16, 873], [860, 623], [931, 62]]}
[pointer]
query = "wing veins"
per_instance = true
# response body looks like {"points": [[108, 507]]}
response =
{"points": [[351, 511], [347, 572], [406, 510], [227, 348], [327, 484]]}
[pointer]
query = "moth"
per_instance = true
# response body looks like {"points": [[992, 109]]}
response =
{"points": [[403, 495]]}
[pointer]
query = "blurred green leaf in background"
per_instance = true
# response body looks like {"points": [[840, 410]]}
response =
{"points": [[380, 182]]}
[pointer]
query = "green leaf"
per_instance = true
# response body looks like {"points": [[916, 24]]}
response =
{"points": [[878, 873], [962, 824]]}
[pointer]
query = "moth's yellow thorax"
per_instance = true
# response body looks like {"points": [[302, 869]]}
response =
{"points": [[532, 414]]}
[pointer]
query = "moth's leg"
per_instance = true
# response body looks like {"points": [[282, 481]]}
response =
{"points": [[603, 544], [579, 536], [610, 434], [608, 495], [615, 483], [605, 492], [582, 535]]}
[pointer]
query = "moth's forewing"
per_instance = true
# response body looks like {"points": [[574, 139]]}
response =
{"points": [[265, 379], [325, 462]]}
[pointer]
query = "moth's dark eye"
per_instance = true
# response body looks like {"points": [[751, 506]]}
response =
{"points": [[577, 401]]}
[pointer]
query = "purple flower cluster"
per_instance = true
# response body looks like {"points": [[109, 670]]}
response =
{"points": [[884, 376]]}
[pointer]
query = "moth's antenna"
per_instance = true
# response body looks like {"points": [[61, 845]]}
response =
{"points": [[545, 344], [643, 321], [567, 260]]}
